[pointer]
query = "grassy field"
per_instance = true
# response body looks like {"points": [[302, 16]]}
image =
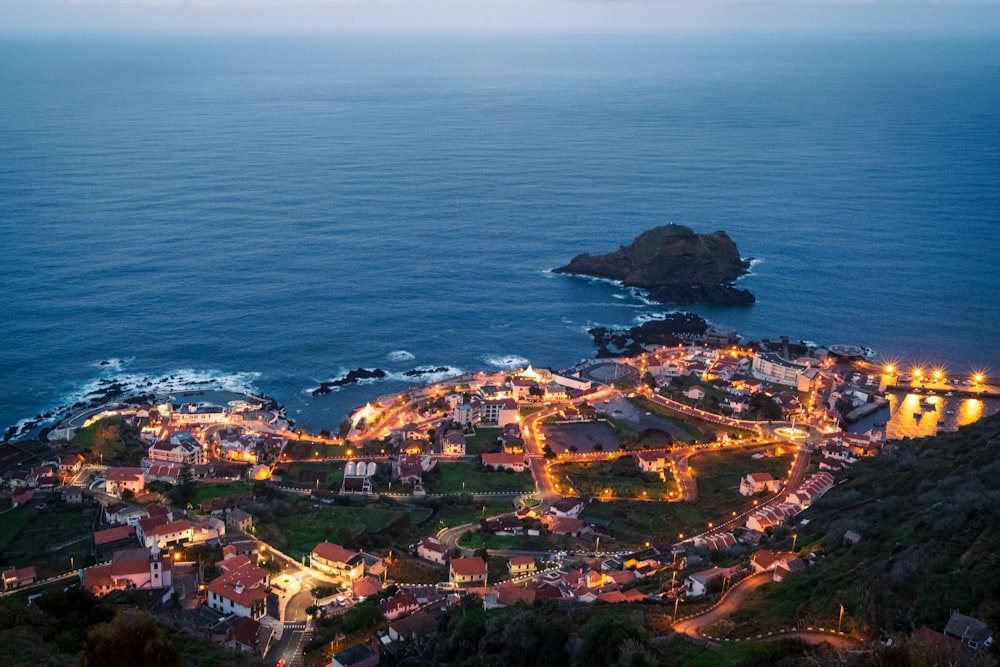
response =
{"points": [[338, 524], [452, 478], [619, 478], [720, 470], [450, 516], [47, 538], [483, 442], [101, 439], [206, 491]]}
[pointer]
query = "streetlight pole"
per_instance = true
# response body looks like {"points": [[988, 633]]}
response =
{"points": [[794, 538], [841, 619], [677, 602]]}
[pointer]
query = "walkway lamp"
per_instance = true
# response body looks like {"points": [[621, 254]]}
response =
{"points": [[841, 619]]}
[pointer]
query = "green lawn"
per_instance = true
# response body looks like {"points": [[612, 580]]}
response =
{"points": [[338, 524], [450, 516], [450, 478], [483, 442], [621, 477], [206, 491]]}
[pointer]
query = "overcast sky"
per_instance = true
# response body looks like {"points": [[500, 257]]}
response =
{"points": [[658, 16]]}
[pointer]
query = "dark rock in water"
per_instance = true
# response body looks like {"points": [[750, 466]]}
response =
{"points": [[631, 342], [350, 378], [10, 432], [105, 363], [416, 372], [675, 265]]}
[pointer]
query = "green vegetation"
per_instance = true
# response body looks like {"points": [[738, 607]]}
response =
{"points": [[718, 471], [207, 491], [72, 627], [48, 538], [483, 442], [297, 532], [929, 521], [617, 478], [462, 478], [101, 440], [700, 430]]}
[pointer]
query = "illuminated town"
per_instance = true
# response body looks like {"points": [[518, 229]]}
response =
{"points": [[512, 482]]}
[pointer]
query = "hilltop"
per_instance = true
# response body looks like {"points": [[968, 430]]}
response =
{"points": [[674, 264]]}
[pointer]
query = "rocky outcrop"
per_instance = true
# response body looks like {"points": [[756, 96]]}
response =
{"points": [[675, 265], [671, 329]]}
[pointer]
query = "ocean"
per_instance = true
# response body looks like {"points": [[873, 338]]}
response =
{"points": [[268, 213]]}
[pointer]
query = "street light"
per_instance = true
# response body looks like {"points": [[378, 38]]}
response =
{"points": [[794, 538], [841, 619]]}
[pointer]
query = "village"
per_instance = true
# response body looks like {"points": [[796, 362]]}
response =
{"points": [[663, 479]]}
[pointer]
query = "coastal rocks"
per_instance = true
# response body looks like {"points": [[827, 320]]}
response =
{"points": [[351, 377], [417, 372], [675, 265], [631, 342]]}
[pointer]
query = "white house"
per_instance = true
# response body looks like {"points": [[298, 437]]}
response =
{"points": [[759, 482]]}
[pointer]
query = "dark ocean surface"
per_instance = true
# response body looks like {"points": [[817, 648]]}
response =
{"points": [[270, 213]]}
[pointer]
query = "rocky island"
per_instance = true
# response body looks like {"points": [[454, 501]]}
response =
{"points": [[674, 265]]}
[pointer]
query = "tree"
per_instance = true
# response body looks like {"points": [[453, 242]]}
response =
{"points": [[129, 639], [185, 488]]}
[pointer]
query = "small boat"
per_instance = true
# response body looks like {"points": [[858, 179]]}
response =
{"points": [[949, 412], [927, 405], [917, 414], [950, 393]]}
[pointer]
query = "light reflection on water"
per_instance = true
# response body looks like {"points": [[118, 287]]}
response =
{"points": [[920, 415]]}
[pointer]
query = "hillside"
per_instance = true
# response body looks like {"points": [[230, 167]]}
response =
{"points": [[929, 520]]}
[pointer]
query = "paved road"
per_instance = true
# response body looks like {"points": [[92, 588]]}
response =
{"points": [[737, 596]]}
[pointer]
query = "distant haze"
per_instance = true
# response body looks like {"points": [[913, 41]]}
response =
{"points": [[666, 16]]}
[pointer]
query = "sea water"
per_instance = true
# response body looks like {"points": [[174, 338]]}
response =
{"points": [[269, 213]]}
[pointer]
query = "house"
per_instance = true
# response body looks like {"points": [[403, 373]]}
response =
{"points": [[246, 635], [15, 578], [415, 626], [787, 567], [567, 507], [698, 583], [336, 560], [358, 655], [166, 534], [72, 494], [241, 590], [164, 472], [695, 393], [180, 448], [22, 498], [240, 520], [430, 548], [519, 565], [69, 465], [358, 478], [764, 561], [366, 587], [123, 513], [563, 525], [449, 440], [119, 480], [651, 461], [467, 571], [234, 445], [138, 568], [759, 482], [113, 539], [513, 462], [400, 604], [972, 632]]}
